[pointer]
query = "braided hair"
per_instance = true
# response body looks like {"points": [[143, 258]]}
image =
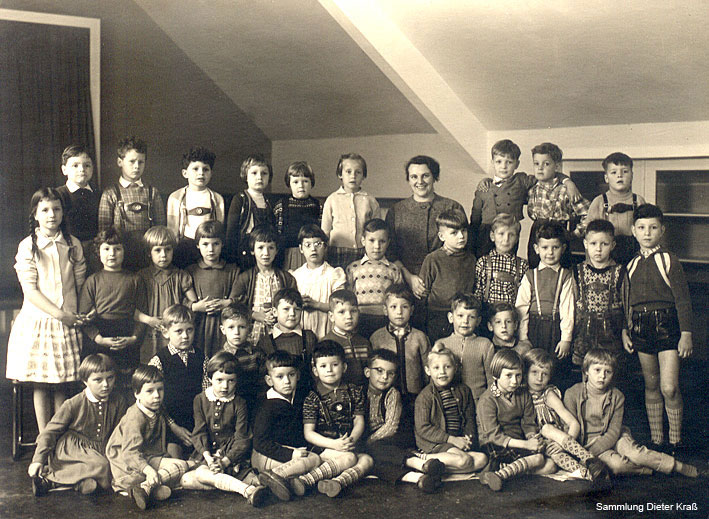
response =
{"points": [[48, 194]]}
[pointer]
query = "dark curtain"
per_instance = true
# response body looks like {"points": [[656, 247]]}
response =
{"points": [[45, 105]]}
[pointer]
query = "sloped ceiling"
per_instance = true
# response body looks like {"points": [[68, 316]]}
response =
{"points": [[515, 64], [288, 65]]}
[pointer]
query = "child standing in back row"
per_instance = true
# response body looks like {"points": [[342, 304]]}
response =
{"points": [[44, 343], [131, 205], [617, 205], [190, 206], [295, 211], [249, 209], [346, 210]]}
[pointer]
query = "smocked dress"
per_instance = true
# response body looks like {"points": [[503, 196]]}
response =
{"points": [[42, 348]]}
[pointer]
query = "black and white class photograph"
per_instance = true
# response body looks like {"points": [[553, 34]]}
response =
{"points": [[346, 259]]}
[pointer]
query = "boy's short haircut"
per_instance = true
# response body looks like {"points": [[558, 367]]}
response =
{"points": [[209, 229], [265, 233], [502, 306], [132, 143], [299, 168], [222, 361], [236, 311], [619, 159], [548, 148], [599, 356], [400, 290], [505, 358], [111, 236], [505, 220], [648, 211], [311, 230], [506, 148], [600, 225], [383, 354], [198, 154], [467, 301], [176, 314], [255, 159], [328, 348], [159, 236], [452, 218], [145, 374], [282, 359], [424, 160], [374, 225], [289, 295], [75, 150], [95, 363], [538, 357], [443, 352], [550, 231], [352, 156], [342, 296]]}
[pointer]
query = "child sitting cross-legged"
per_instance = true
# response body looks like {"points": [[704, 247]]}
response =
{"points": [[445, 417], [556, 423], [503, 322], [280, 452], [599, 409], [387, 443], [70, 441], [221, 436], [472, 353], [508, 430], [137, 449], [333, 423]]}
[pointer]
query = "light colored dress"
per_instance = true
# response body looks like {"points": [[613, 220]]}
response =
{"points": [[318, 284], [41, 348]]}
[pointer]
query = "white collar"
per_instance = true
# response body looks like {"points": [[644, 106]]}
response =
{"points": [[555, 268], [366, 258], [341, 191], [125, 182], [91, 396], [209, 392], [147, 412], [272, 394], [277, 332], [73, 187], [44, 241]]}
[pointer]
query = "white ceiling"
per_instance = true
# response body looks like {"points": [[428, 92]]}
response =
{"points": [[515, 64]]}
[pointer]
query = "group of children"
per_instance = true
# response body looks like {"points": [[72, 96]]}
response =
{"points": [[290, 354]]}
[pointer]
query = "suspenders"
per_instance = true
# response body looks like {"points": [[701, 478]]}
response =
{"points": [[489, 274], [557, 295], [135, 207]]}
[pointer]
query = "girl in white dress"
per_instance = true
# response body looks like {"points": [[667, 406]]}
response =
{"points": [[45, 343]]}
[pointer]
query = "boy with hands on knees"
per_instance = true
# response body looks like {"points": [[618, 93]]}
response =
{"points": [[333, 422]]}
